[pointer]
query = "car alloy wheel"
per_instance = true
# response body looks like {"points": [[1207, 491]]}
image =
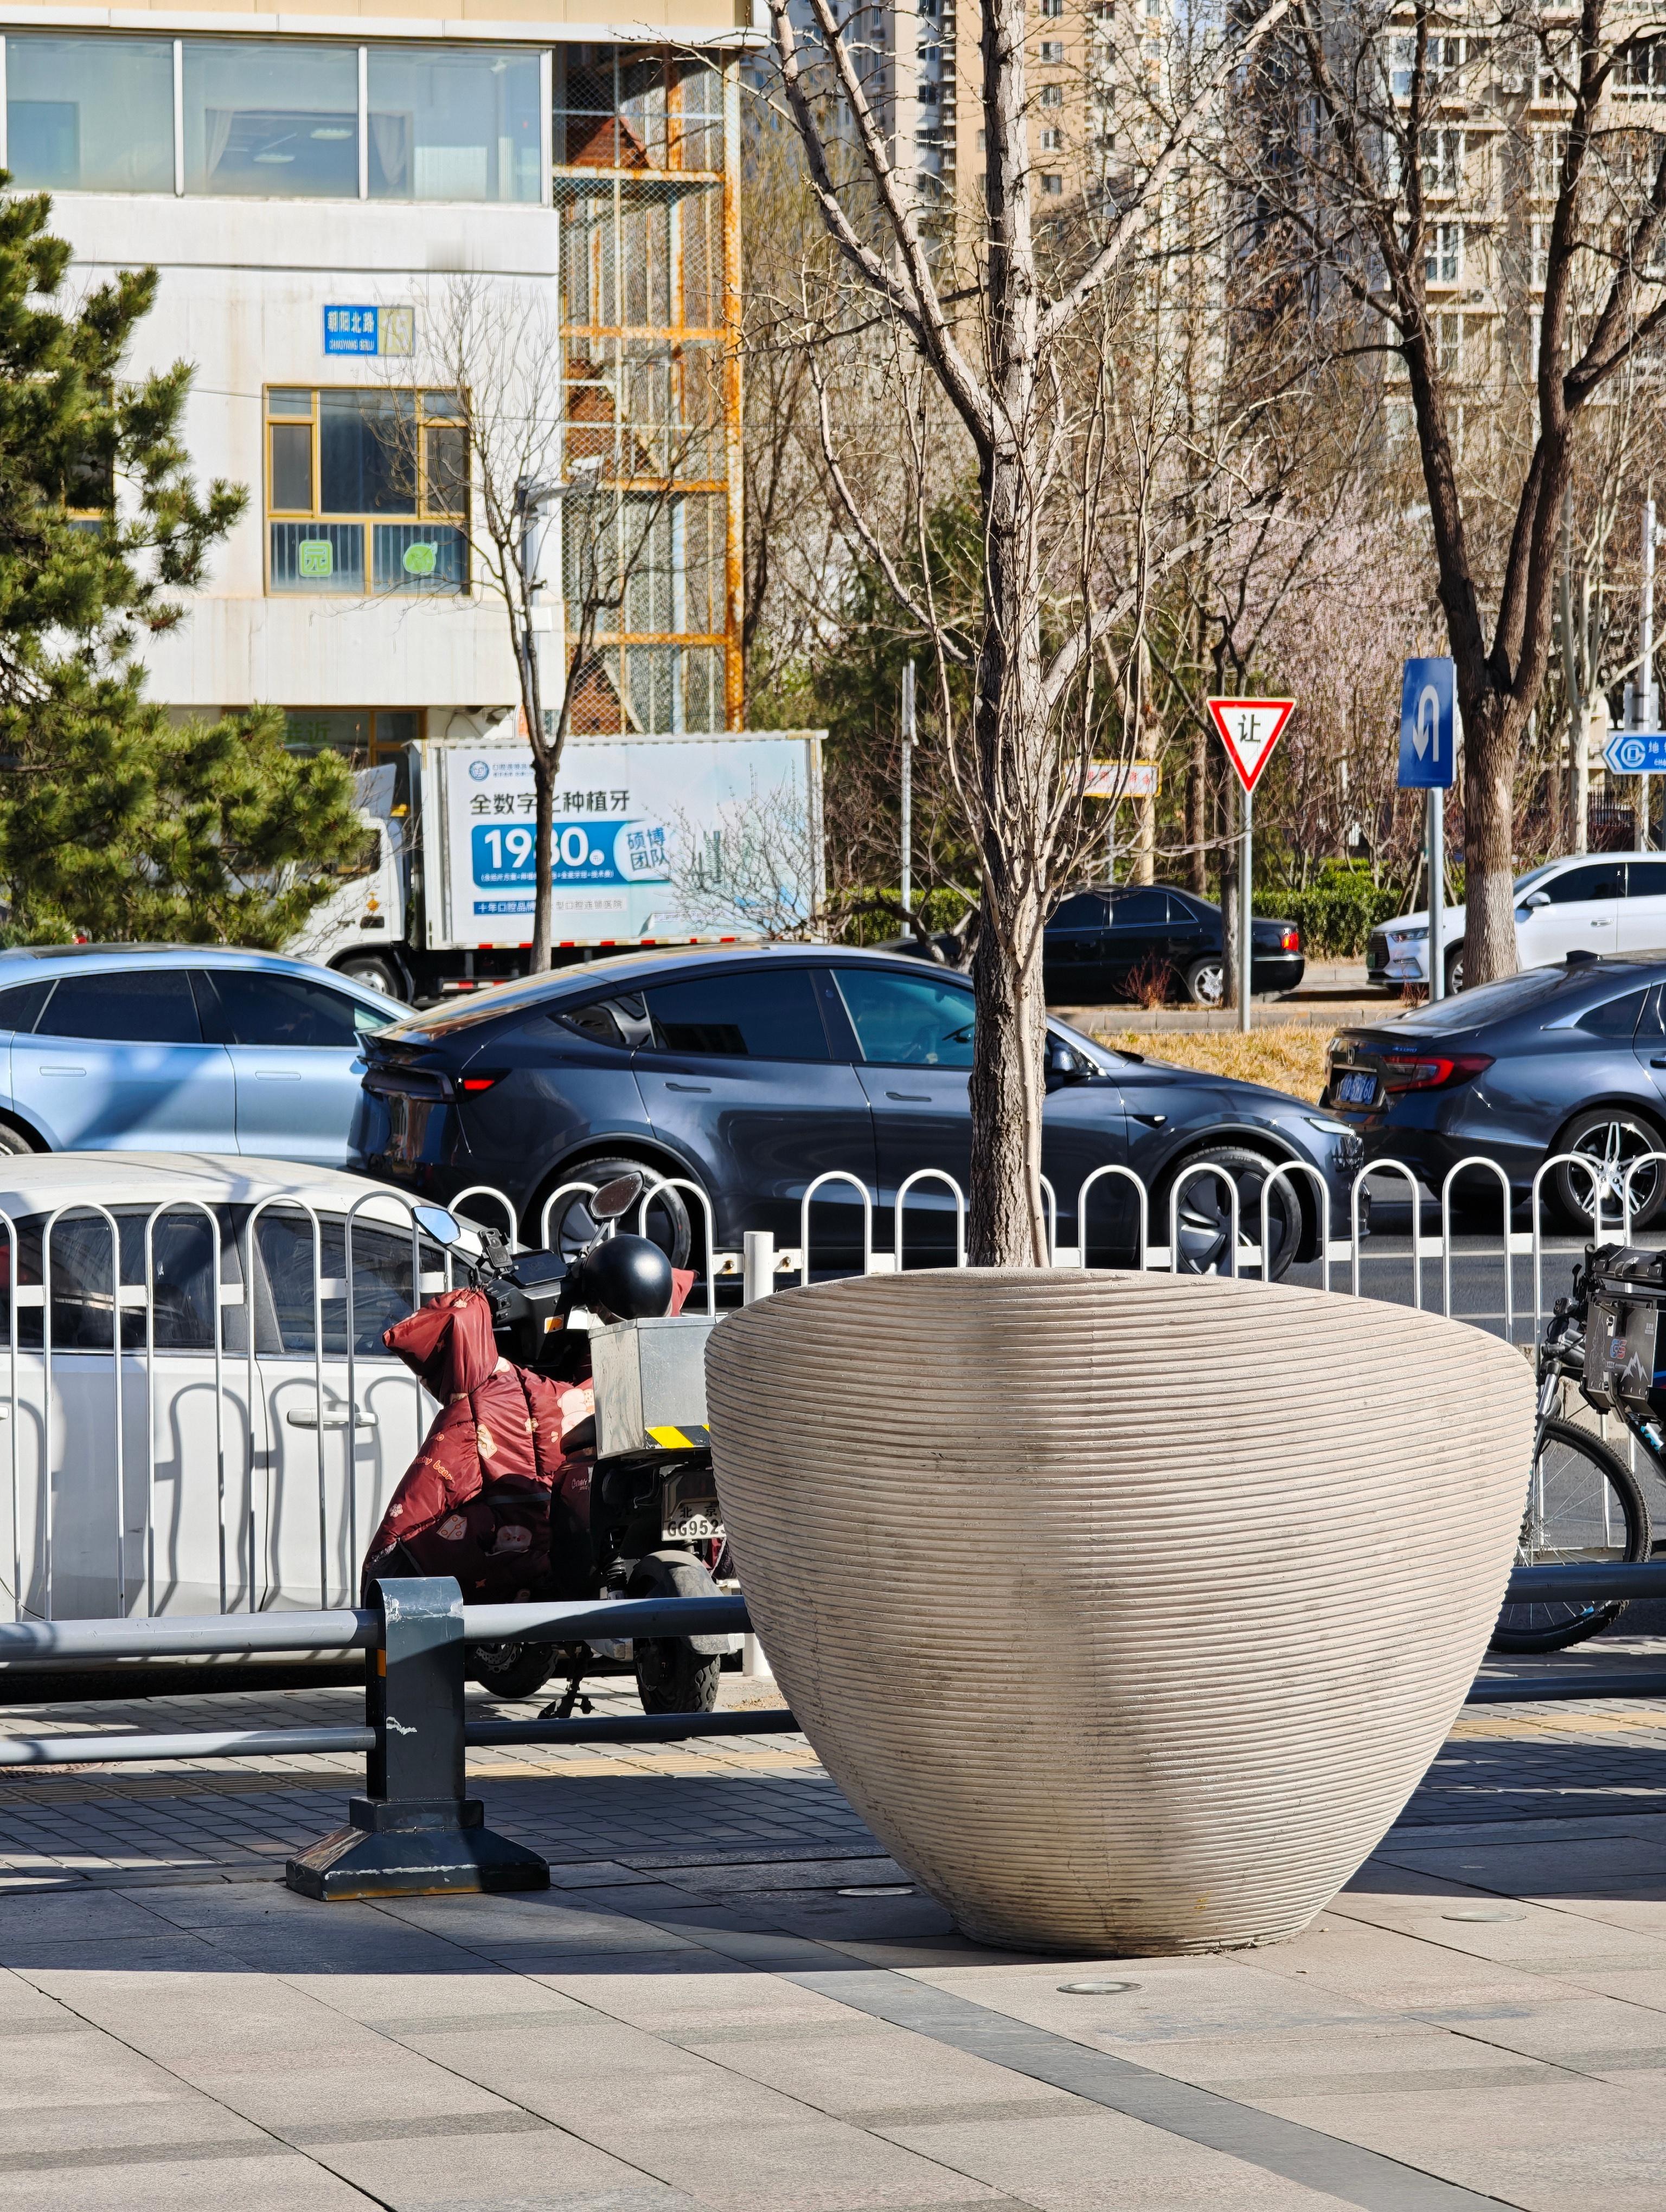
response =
{"points": [[1613, 1141], [1205, 1213], [571, 1227], [1206, 983]]}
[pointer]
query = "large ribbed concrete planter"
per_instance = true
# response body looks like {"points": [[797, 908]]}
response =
{"points": [[1127, 1609]]}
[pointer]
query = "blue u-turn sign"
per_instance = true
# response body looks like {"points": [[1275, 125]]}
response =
{"points": [[1428, 726]]}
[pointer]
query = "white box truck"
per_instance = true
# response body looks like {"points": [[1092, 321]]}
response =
{"points": [[711, 839]]}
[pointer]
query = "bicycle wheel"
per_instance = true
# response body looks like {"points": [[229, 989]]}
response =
{"points": [[1583, 1503]]}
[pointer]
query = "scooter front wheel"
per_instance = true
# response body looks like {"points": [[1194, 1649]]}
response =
{"points": [[673, 1677]]}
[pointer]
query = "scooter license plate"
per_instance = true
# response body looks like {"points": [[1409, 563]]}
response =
{"points": [[693, 1527]]}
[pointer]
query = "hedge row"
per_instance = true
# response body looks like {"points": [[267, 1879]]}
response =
{"points": [[1337, 913]]}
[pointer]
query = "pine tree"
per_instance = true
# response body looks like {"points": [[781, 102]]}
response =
{"points": [[116, 821]]}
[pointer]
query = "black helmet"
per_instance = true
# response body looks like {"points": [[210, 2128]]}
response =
{"points": [[626, 1279]]}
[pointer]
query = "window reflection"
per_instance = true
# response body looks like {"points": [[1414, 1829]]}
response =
{"points": [[91, 115], [453, 126], [271, 119]]}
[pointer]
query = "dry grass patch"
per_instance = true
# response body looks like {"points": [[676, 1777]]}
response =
{"points": [[1289, 1055]]}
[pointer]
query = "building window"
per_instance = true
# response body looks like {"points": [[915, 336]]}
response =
{"points": [[90, 115], [1052, 95], [1052, 7], [1442, 161], [366, 734], [288, 119], [453, 126], [1051, 141], [1052, 186], [359, 486], [271, 119], [1052, 52], [1443, 260], [1449, 344]]}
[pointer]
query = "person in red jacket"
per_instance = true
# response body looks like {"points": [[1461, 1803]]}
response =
{"points": [[477, 1500]]}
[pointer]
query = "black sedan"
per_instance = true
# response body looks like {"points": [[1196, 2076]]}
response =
{"points": [[1150, 940], [1568, 1059], [753, 1071]]}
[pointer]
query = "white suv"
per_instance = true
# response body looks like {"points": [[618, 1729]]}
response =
{"points": [[1587, 902]]}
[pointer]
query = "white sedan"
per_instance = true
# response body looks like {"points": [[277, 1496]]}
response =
{"points": [[1587, 902], [240, 1451]]}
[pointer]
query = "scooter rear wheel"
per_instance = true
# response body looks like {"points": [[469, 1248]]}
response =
{"points": [[673, 1677], [512, 1670]]}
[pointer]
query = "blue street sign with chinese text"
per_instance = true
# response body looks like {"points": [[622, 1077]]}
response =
{"points": [[1428, 726], [367, 329], [1636, 752]]}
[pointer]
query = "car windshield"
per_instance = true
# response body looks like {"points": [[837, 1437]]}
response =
{"points": [[1535, 875]]}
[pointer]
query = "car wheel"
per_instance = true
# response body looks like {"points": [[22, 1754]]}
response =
{"points": [[1454, 971], [13, 1140], [1205, 1213], [1206, 983], [1611, 1138], [571, 1227], [379, 974]]}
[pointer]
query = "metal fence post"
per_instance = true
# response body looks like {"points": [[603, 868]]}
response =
{"points": [[415, 1832]]}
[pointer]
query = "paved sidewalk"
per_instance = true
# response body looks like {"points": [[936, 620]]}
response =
{"points": [[698, 2016]]}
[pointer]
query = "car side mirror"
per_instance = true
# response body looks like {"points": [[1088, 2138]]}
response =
{"points": [[1062, 1065], [1533, 901]]}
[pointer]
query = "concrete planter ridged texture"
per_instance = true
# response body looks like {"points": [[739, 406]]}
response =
{"points": [[1127, 1609]]}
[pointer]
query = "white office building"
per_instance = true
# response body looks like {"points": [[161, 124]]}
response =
{"points": [[313, 188]]}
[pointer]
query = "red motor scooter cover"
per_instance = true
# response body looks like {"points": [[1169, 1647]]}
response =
{"points": [[475, 1501]]}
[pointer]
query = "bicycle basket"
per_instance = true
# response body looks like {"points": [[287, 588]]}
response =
{"points": [[1625, 1354]]}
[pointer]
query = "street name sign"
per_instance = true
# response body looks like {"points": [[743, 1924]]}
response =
{"points": [[1428, 726], [1250, 728], [1122, 780], [1636, 752]]}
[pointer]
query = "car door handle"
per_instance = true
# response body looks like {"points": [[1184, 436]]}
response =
{"points": [[703, 1087], [914, 1098], [63, 1070], [1657, 1063], [278, 1074]]}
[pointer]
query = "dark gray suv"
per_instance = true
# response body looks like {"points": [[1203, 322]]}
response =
{"points": [[753, 1071]]}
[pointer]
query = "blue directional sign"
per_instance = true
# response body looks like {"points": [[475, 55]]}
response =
{"points": [[1428, 726], [1636, 752]]}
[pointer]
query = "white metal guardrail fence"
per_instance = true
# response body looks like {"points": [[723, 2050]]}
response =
{"points": [[236, 1451]]}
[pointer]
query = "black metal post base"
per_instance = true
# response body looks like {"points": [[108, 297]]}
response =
{"points": [[415, 1832], [415, 1848]]}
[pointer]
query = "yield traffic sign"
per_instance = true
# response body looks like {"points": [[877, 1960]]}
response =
{"points": [[1250, 728]]}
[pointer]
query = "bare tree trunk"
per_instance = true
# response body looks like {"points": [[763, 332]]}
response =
{"points": [[1492, 746], [1197, 814], [545, 764]]}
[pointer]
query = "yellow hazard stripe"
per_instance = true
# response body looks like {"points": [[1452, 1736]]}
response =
{"points": [[672, 1439]]}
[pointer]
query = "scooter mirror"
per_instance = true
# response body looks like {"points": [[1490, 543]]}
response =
{"points": [[615, 1200], [446, 1229]]}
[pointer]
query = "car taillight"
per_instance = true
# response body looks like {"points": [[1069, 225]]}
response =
{"points": [[1435, 1072], [1290, 940], [479, 1082]]}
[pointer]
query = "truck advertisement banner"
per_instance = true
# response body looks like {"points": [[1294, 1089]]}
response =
{"points": [[654, 837]]}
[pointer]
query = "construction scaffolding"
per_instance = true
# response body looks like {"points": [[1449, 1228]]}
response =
{"points": [[647, 171]]}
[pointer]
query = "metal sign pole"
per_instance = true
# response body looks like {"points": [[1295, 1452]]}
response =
{"points": [[1246, 912], [1437, 892], [906, 808]]}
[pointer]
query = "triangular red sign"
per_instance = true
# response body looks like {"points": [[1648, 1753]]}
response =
{"points": [[1250, 728]]}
